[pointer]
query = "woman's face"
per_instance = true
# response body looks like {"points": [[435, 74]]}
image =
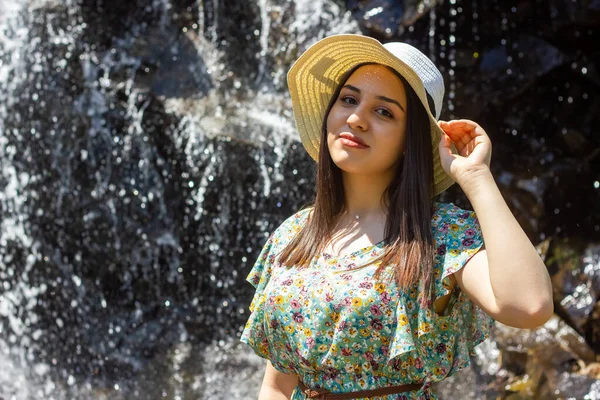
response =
{"points": [[366, 127]]}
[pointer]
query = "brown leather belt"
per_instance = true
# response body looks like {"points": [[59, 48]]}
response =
{"points": [[323, 394]]}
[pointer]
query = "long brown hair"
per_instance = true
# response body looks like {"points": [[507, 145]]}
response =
{"points": [[408, 200]]}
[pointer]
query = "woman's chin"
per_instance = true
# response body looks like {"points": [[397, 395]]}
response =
{"points": [[350, 163]]}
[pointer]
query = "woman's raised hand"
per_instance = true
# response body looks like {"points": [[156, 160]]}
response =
{"points": [[473, 145]]}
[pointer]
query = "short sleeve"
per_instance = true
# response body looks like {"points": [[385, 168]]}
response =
{"points": [[459, 238], [464, 325], [255, 331], [258, 331]]}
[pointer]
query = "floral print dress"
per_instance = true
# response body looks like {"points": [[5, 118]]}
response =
{"points": [[337, 327]]}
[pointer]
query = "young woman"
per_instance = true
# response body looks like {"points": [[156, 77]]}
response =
{"points": [[377, 291]]}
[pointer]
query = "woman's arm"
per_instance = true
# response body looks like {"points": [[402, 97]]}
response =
{"points": [[511, 279], [277, 385], [508, 279]]}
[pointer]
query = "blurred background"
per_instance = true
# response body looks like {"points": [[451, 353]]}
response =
{"points": [[148, 149]]}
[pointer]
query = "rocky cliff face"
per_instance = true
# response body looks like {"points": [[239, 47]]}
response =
{"points": [[148, 149]]}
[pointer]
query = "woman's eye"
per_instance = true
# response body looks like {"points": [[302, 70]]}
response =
{"points": [[351, 100], [348, 99], [385, 113]]}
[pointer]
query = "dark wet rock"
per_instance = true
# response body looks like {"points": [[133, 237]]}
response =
{"points": [[508, 77], [478, 381], [385, 19], [546, 360], [572, 386], [378, 17], [576, 280]]}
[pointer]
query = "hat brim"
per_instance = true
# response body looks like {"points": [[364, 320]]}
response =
{"points": [[315, 75]]}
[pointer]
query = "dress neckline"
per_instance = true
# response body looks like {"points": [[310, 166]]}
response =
{"points": [[378, 245], [356, 252]]}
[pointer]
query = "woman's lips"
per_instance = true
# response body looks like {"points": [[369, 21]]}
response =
{"points": [[350, 140]]}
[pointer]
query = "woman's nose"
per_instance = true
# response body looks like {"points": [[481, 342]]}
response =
{"points": [[356, 121]]}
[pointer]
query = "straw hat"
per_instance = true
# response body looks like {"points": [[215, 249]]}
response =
{"points": [[313, 78]]}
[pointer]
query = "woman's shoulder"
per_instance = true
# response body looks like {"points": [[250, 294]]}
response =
{"points": [[291, 225], [449, 215], [450, 211]]}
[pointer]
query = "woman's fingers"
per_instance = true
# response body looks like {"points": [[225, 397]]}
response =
{"points": [[460, 122], [458, 136], [462, 128], [468, 138], [462, 132], [444, 145]]}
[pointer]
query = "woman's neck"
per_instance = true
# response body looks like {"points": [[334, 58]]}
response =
{"points": [[363, 194]]}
